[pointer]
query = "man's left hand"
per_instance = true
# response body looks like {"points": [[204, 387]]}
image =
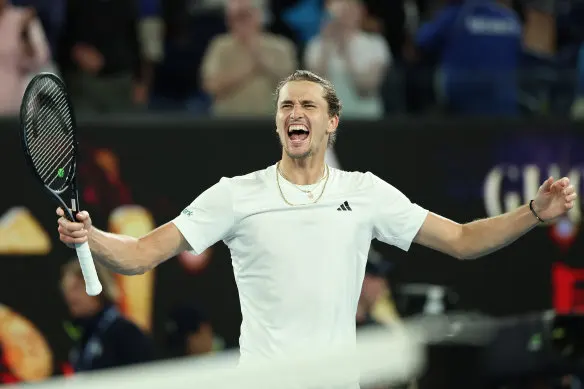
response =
{"points": [[554, 198]]}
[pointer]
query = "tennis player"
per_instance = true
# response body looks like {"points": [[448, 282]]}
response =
{"points": [[299, 231]]}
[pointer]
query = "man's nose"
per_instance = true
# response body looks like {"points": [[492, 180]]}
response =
{"points": [[297, 113]]}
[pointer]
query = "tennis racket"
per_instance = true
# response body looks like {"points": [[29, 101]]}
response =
{"points": [[49, 140]]}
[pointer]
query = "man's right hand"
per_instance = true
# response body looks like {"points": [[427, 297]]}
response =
{"points": [[72, 233]]}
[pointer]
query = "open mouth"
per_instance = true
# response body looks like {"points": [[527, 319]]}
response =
{"points": [[298, 132]]}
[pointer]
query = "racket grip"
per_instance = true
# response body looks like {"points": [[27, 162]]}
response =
{"points": [[92, 284]]}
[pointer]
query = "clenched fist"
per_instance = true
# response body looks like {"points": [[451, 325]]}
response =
{"points": [[72, 233]]}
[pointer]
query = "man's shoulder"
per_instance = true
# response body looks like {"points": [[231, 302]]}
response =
{"points": [[251, 179], [354, 178]]}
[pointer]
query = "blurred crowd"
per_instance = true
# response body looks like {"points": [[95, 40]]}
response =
{"points": [[225, 57]]}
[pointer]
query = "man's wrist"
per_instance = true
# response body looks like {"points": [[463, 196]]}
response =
{"points": [[535, 211]]}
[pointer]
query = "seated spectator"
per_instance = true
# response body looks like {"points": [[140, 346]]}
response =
{"points": [[479, 45], [242, 67], [376, 306], [540, 30], [151, 33], [103, 337], [102, 56], [578, 106], [23, 50], [190, 333], [356, 62]]}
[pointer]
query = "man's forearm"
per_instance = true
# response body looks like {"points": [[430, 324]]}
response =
{"points": [[484, 236], [119, 253]]}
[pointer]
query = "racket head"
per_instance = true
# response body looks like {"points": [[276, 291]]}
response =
{"points": [[49, 138]]}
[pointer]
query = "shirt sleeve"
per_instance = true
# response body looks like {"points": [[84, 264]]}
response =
{"points": [[396, 220], [209, 218]]}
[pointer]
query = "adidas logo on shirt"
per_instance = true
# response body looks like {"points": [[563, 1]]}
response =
{"points": [[344, 207]]}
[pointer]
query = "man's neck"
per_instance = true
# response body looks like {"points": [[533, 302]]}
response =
{"points": [[303, 171]]}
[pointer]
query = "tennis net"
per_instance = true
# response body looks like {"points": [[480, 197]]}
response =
{"points": [[382, 357]]}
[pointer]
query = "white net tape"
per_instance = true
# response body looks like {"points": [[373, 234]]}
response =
{"points": [[381, 357]]}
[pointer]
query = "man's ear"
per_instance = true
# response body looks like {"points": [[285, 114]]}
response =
{"points": [[333, 123]]}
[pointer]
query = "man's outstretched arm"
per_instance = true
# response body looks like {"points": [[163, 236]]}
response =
{"points": [[481, 237], [124, 254]]}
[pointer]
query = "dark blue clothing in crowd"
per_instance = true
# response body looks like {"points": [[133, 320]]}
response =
{"points": [[479, 48], [149, 8]]}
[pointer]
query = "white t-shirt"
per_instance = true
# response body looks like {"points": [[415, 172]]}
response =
{"points": [[366, 50], [299, 269]]}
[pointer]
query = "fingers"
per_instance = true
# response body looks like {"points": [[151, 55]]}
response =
{"points": [[547, 184], [71, 232], [70, 241], [571, 197], [69, 225], [569, 190], [559, 184], [82, 216]]}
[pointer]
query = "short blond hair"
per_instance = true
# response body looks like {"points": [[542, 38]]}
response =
{"points": [[111, 291]]}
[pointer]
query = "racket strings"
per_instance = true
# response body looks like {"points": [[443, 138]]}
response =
{"points": [[52, 153], [43, 159], [49, 133], [44, 104]]}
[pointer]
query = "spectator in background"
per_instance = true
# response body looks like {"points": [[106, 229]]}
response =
{"points": [[51, 14], [103, 337], [540, 30], [479, 44], [23, 50], [375, 303], [578, 106], [356, 62], [151, 33], [242, 68], [102, 56], [190, 333]]}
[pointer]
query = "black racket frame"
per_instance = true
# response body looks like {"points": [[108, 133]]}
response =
{"points": [[71, 179]]}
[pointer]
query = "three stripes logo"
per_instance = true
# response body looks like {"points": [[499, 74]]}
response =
{"points": [[344, 207]]}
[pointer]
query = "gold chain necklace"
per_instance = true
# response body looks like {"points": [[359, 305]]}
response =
{"points": [[326, 177], [307, 192]]}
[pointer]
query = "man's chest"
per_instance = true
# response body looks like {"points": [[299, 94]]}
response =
{"points": [[279, 227]]}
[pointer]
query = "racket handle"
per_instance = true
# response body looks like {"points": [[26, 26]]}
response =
{"points": [[92, 284]]}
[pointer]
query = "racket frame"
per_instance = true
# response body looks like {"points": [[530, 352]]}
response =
{"points": [[71, 179]]}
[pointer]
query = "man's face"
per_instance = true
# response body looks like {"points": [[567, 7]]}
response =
{"points": [[243, 19], [80, 304], [302, 119]]}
